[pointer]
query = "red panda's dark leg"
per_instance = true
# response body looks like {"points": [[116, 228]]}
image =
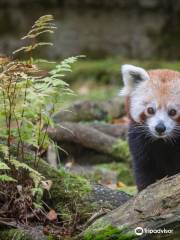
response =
{"points": [[144, 177], [144, 169]]}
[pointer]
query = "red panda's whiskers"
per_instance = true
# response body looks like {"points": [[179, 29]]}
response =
{"points": [[143, 129], [171, 139]]}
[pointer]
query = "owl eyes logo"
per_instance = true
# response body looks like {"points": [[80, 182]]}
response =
{"points": [[138, 231]]}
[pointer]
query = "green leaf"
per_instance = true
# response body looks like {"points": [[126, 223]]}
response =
{"points": [[4, 149], [6, 178], [36, 176], [3, 166]]}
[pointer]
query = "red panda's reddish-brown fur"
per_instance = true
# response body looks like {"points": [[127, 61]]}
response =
{"points": [[161, 81]]}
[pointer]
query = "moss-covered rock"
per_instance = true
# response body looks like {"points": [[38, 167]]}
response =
{"points": [[67, 191]]}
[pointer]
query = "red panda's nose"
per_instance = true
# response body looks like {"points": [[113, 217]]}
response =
{"points": [[160, 128]]}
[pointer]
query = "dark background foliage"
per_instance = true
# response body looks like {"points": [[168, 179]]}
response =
{"points": [[142, 29]]}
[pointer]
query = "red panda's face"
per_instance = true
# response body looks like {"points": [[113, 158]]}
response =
{"points": [[153, 100]]}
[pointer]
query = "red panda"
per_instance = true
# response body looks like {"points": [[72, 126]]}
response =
{"points": [[153, 107]]}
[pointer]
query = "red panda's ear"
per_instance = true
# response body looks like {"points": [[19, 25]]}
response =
{"points": [[132, 76]]}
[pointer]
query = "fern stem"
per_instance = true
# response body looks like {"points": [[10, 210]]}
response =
{"points": [[38, 140], [22, 116], [20, 138]]}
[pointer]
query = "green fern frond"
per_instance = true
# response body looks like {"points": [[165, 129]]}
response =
{"points": [[35, 175], [43, 25], [37, 178], [4, 149], [32, 47], [6, 178], [29, 96], [38, 193], [3, 166], [45, 20], [63, 66]]}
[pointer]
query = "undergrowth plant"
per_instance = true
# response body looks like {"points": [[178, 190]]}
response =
{"points": [[28, 95]]}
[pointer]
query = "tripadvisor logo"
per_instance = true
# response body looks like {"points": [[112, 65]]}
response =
{"points": [[139, 231]]}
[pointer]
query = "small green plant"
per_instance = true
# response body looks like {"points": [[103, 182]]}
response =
{"points": [[28, 97]]}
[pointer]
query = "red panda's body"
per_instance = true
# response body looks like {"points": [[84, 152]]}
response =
{"points": [[153, 105], [152, 160]]}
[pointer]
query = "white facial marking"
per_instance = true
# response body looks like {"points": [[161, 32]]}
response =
{"points": [[138, 100], [161, 116]]}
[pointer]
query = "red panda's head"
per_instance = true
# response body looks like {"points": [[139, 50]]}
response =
{"points": [[153, 99]]}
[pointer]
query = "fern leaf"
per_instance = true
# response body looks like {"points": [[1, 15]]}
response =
{"points": [[34, 35], [6, 178], [35, 175], [3, 166], [4, 149], [32, 47], [43, 25]]}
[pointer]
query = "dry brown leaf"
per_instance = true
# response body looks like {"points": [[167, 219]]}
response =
{"points": [[4, 60], [120, 184], [52, 215], [47, 184]]}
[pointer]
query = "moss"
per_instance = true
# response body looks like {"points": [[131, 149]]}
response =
{"points": [[50, 237], [125, 174], [104, 71], [18, 234], [123, 171], [109, 233], [14, 234], [103, 230], [121, 150], [131, 190], [67, 191]]}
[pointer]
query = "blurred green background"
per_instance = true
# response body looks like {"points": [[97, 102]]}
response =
{"points": [[110, 33]]}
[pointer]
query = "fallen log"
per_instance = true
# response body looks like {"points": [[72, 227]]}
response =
{"points": [[75, 153], [90, 137], [114, 130], [90, 111], [155, 208]]}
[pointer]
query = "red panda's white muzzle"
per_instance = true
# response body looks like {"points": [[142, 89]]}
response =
{"points": [[161, 125]]}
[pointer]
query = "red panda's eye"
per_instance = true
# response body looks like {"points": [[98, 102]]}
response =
{"points": [[150, 110], [172, 112]]}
